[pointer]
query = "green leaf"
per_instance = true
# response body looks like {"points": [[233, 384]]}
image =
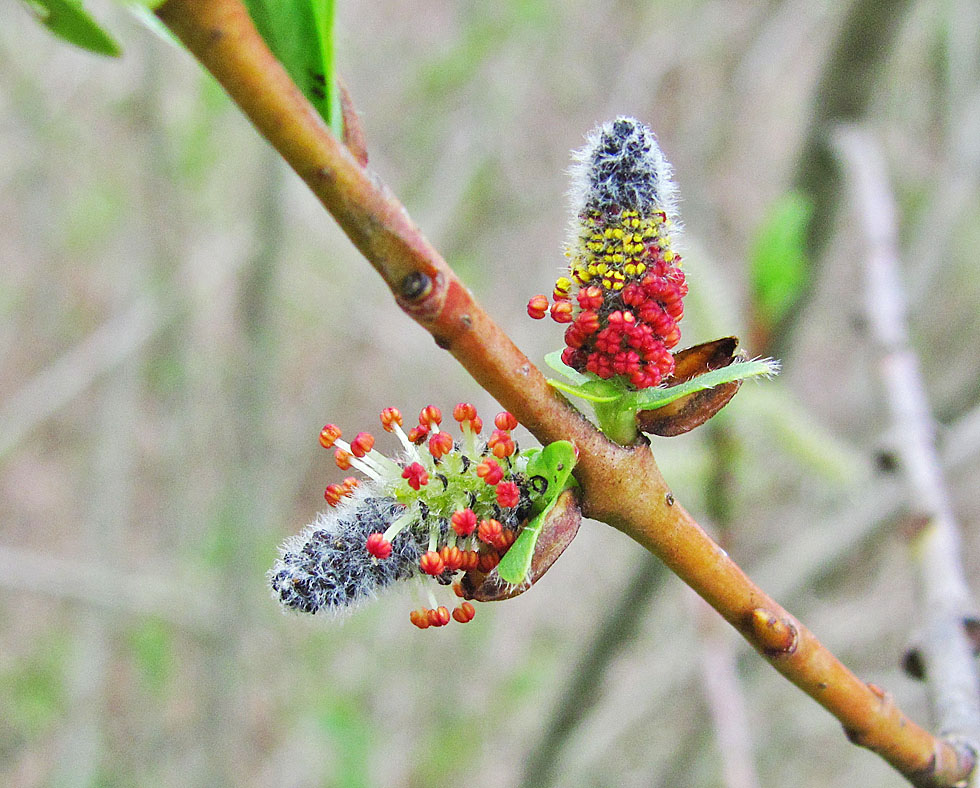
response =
{"points": [[554, 463], [69, 20], [300, 35], [777, 261]]}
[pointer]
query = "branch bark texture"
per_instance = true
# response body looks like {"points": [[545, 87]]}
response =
{"points": [[951, 670], [621, 485]]}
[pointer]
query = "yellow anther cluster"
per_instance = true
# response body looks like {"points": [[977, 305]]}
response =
{"points": [[612, 248]]}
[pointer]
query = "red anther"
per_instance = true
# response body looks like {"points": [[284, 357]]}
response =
{"points": [[378, 546], [416, 475], [420, 618], [389, 418], [505, 420], [440, 444], [458, 588], [418, 434], [505, 540], [464, 412], [501, 444], [488, 560], [537, 307], [464, 521], [430, 415], [432, 616], [350, 484], [342, 459], [438, 617], [328, 435], [452, 557], [476, 425], [561, 311], [508, 494], [431, 563], [334, 493], [489, 531], [464, 612], [587, 322], [590, 297], [490, 471], [574, 336], [363, 443]]}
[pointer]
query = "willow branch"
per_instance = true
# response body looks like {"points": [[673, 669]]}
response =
{"points": [[621, 485], [950, 668]]}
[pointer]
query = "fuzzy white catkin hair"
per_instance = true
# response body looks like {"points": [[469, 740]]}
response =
{"points": [[325, 567], [621, 167]]}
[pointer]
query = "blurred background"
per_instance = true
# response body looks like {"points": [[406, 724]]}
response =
{"points": [[178, 318]]}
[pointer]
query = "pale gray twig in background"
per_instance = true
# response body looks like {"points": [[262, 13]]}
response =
{"points": [[951, 671]]}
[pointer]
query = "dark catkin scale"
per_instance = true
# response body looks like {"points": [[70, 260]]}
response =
{"points": [[620, 174], [328, 568]]}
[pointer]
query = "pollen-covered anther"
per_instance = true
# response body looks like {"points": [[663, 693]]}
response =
{"points": [[362, 444], [501, 444], [537, 307], [464, 613], [342, 458], [417, 435], [508, 494], [378, 546], [430, 415], [438, 617], [561, 311], [505, 420], [420, 618], [440, 444], [452, 557], [328, 435], [505, 540], [417, 475], [389, 418], [489, 531], [431, 563], [464, 412], [589, 297], [334, 493], [463, 522], [490, 471]]}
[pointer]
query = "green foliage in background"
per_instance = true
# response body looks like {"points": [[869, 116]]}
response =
{"points": [[777, 261], [69, 20]]}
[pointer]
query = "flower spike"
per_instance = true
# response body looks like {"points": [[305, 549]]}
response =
{"points": [[438, 510]]}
